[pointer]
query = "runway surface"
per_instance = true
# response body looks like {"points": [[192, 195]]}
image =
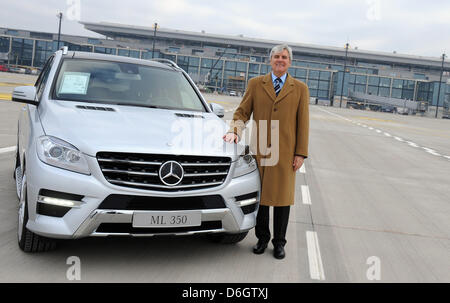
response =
{"points": [[372, 205]]}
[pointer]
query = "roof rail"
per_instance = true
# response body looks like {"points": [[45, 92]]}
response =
{"points": [[167, 61], [64, 49]]}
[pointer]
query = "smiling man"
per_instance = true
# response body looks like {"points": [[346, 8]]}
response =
{"points": [[282, 102]]}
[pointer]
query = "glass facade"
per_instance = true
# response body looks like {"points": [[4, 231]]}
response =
{"points": [[4, 44], [22, 51], [42, 52], [238, 65], [105, 50]]}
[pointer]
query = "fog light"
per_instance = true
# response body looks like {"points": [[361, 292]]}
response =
{"points": [[246, 202], [59, 202]]}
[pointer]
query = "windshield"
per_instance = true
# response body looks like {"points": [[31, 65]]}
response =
{"points": [[110, 82]]}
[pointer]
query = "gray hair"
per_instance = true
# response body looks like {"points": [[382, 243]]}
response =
{"points": [[280, 48]]}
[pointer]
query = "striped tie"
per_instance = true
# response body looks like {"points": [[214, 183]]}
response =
{"points": [[277, 86]]}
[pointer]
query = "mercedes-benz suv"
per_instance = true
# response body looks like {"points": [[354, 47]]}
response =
{"points": [[116, 146]]}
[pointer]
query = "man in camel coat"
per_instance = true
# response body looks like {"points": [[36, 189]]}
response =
{"points": [[280, 107]]}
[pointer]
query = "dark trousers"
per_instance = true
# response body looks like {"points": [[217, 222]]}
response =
{"points": [[280, 222]]}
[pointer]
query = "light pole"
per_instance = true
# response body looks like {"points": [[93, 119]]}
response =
{"points": [[59, 15], [439, 90], [154, 38], [343, 77]]}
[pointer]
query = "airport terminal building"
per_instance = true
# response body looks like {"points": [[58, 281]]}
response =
{"points": [[226, 63]]}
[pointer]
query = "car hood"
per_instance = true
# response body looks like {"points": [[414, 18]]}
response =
{"points": [[134, 129]]}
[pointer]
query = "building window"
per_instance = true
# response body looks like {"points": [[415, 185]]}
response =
{"points": [[314, 74], [22, 51], [4, 44], [93, 41], [11, 32]]}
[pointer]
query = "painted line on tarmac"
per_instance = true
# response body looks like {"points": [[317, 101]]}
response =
{"points": [[223, 102], [303, 169], [306, 197], [5, 97], [315, 260], [7, 149], [410, 143], [13, 84], [316, 271], [431, 151]]}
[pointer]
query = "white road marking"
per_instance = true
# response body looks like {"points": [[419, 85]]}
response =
{"points": [[7, 149], [431, 151], [412, 144], [315, 260], [371, 128], [303, 169], [306, 197]]}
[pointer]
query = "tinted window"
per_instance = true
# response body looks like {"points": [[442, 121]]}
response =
{"points": [[125, 84]]}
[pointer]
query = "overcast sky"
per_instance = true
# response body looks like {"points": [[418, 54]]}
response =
{"points": [[408, 27]]}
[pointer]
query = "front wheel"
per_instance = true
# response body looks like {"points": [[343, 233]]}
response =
{"points": [[27, 240]]}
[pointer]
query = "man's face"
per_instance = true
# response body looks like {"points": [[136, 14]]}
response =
{"points": [[280, 62]]}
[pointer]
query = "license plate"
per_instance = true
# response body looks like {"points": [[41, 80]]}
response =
{"points": [[166, 219]]}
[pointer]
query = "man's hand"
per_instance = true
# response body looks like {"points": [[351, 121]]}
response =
{"points": [[230, 138], [298, 162]]}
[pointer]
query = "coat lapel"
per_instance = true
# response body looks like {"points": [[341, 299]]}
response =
{"points": [[268, 86], [286, 89]]}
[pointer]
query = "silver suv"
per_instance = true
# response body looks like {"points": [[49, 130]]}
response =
{"points": [[114, 146]]}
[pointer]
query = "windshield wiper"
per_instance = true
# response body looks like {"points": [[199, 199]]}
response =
{"points": [[139, 105]]}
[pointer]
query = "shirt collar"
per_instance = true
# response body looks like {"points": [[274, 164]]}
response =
{"points": [[283, 78]]}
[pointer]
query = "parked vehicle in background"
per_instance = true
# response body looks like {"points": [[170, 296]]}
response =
{"points": [[4, 68], [388, 108], [402, 110], [233, 93]]}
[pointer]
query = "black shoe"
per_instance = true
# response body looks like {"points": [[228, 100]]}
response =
{"points": [[259, 248], [278, 252]]}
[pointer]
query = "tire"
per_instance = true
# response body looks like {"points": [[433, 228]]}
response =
{"points": [[224, 238], [28, 241], [17, 164]]}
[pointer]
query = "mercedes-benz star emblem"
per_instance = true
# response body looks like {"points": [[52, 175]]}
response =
{"points": [[171, 173]]}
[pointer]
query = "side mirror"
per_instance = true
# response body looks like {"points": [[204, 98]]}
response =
{"points": [[217, 109], [25, 94]]}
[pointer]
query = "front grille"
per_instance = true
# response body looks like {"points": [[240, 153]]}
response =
{"points": [[142, 170], [125, 202], [127, 228]]}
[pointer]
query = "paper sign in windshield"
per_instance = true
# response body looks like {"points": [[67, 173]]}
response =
{"points": [[75, 83]]}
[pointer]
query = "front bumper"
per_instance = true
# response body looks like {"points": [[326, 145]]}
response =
{"points": [[88, 220]]}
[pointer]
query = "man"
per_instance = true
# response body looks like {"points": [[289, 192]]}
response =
{"points": [[279, 100]]}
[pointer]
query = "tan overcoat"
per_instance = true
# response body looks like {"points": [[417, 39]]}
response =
{"points": [[283, 118]]}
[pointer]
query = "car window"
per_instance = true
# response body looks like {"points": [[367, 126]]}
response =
{"points": [[42, 79], [126, 84]]}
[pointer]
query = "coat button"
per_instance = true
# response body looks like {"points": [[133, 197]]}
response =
{"points": [[274, 109]]}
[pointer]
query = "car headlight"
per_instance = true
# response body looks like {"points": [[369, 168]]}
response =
{"points": [[245, 164], [59, 153]]}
